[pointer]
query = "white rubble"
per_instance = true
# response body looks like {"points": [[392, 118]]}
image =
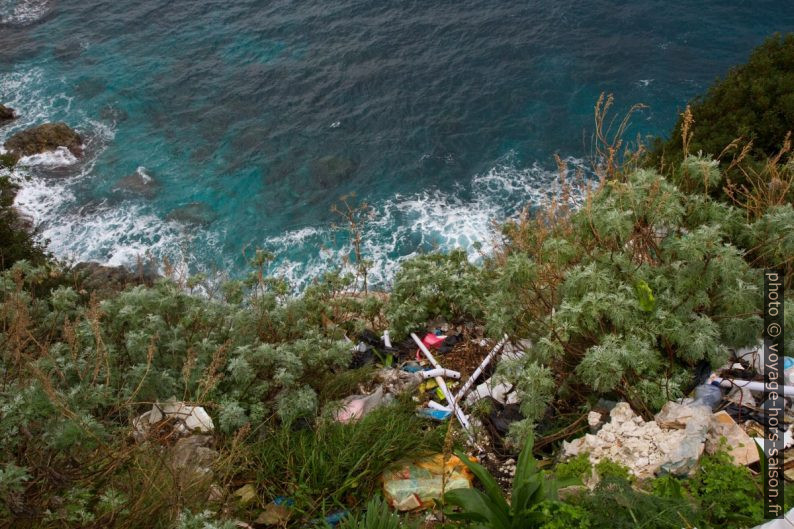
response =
{"points": [[186, 418], [641, 446], [594, 419]]}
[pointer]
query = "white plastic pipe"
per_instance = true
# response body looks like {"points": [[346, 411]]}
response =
{"points": [[477, 372], [462, 419], [432, 373], [436, 406], [752, 385]]}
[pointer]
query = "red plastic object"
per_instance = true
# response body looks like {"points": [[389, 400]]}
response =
{"points": [[431, 341]]}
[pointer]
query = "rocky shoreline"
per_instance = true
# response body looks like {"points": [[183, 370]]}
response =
{"points": [[45, 138]]}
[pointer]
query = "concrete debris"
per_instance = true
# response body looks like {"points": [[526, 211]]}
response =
{"points": [[185, 419], [192, 453], [641, 446], [684, 458], [594, 420], [675, 416], [739, 444]]}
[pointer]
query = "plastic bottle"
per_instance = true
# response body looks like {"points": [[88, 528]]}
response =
{"points": [[708, 395]]}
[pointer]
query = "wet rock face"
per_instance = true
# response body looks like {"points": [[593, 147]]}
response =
{"points": [[6, 114], [47, 137]]}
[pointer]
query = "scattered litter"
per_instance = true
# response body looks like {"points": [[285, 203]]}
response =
{"points": [[432, 341], [396, 381], [333, 519], [274, 514], [357, 406], [449, 343], [753, 355], [502, 416], [741, 396], [439, 372], [185, 419], [436, 415], [417, 484], [501, 392], [752, 385], [246, 494], [462, 418], [708, 395]]}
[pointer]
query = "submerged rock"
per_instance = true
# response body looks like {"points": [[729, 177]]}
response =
{"points": [[331, 171], [195, 213], [44, 138], [6, 114], [139, 183]]}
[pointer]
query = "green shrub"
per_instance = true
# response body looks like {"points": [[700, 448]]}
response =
{"points": [[433, 286], [614, 503], [727, 494], [607, 469], [16, 244], [578, 467], [645, 286], [529, 501], [754, 101]]}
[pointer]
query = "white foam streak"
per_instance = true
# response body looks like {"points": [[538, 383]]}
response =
{"points": [[60, 157], [23, 12]]}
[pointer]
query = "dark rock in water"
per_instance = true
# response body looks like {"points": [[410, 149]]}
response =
{"points": [[90, 88], [8, 159], [113, 113], [195, 213], [331, 171], [68, 51], [105, 280], [139, 183], [47, 137], [6, 114]]}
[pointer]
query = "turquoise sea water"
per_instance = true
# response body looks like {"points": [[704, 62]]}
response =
{"points": [[239, 123]]}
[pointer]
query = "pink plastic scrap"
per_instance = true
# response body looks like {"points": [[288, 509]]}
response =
{"points": [[431, 341]]}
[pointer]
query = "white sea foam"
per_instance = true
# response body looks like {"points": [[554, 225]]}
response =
{"points": [[403, 226], [60, 157], [145, 177], [116, 234], [23, 12]]}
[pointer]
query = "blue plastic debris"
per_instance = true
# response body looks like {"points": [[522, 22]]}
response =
{"points": [[412, 367], [283, 500], [436, 415]]}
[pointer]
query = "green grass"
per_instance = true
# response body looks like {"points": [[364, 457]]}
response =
{"points": [[336, 466]]}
